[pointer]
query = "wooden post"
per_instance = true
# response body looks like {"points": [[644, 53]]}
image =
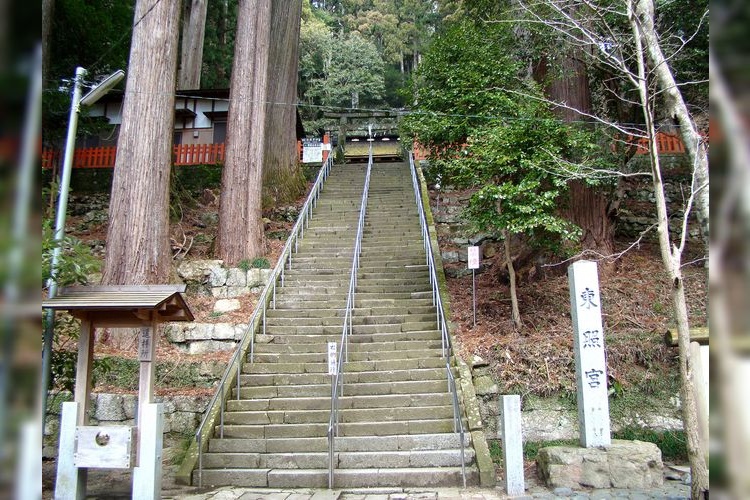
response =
{"points": [[146, 354], [342, 133], [84, 367]]}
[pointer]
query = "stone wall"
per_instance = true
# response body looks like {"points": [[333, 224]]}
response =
{"points": [[182, 414], [210, 277], [548, 419]]}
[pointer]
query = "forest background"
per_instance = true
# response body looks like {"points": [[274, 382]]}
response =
{"points": [[369, 53]]}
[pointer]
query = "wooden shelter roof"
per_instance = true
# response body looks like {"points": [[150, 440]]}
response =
{"points": [[135, 302]]}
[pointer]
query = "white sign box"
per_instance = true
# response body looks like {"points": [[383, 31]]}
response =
{"points": [[103, 447], [332, 361], [312, 151], [473, 257]]}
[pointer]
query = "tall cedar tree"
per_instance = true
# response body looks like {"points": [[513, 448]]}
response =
{"points": [[193, 34], [282, 177], [240, 210], [138, 234]]}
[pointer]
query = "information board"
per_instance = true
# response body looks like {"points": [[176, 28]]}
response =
{"points": [[473, 257], [312, 151]]}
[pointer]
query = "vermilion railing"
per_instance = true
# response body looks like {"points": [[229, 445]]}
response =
{"points": [[666, 144], [104, 157], [182, 154], [198, 154]]}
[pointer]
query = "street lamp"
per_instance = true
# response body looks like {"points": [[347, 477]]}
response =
{"points": [[77, 101]]}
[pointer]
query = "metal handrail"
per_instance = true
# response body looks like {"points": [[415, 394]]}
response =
{"points": [[259, 315], [337, 383], [442, 323]]}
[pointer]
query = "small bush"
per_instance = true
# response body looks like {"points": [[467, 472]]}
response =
{"points": [[260, 263]]}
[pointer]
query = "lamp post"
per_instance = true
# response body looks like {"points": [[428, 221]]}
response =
{"points": [[62, 207]]}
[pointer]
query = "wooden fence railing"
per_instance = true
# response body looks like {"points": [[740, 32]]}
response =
{"points": [[666, 144], [201, 154], [104, 157]]}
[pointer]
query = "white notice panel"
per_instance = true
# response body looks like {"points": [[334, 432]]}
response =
{"points": [[312, 151], [473, 257], [332, 358]]}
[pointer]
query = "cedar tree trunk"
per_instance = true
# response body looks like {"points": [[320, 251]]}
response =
{"points": [[138, 234], [588, 206], [193, 33], [283, 180], [240, 210]]}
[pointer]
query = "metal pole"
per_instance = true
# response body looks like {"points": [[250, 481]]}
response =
{"points": [[62, 208]]}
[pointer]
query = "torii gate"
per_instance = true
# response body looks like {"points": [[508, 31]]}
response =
{"points": [[345, 116]]}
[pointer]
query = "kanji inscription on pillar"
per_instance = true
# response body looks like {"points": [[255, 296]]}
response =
{"points": [[588, 347]]}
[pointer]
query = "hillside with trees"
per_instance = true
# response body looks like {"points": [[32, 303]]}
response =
{"points": [[540, 121]]}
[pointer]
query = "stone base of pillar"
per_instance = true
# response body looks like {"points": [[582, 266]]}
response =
{"points": [[624, 464]]}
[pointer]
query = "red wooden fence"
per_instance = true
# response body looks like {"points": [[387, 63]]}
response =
{"points": [[666, 144], [104, 157], [211, 154]]}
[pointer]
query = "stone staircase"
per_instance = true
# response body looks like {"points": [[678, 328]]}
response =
{"points": [[396, 416]]}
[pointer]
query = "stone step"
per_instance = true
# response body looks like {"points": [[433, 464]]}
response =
{"points": [[302, 430], [343, 478], [294, 303], [364, 296], [358, 312], [258, 374], [393, 279], [393, 351], [390, 319], [393, 286], [408, 273], [357, 389], [358, 338], [342, 459], [346, 402], [361, 303], [380, 415], [373, 264], [414, 442], [400, 362]]}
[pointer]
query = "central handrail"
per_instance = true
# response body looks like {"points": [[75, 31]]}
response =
{"points": [[442, 323], [337, 383], [259, 315]]}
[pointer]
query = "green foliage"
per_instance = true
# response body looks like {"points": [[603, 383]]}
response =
{"points": [[260, 263], [337, 70], [93, 34], [676, 22], [531, 449], [76, 262], [245, 265], [487, 128], [461, 85], [218, 46]]}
